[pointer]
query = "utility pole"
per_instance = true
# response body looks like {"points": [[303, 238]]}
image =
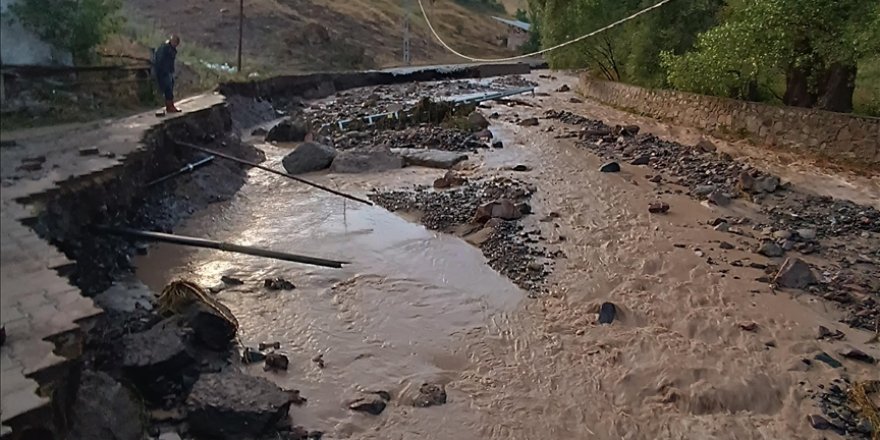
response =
{"points": [[240, 30], [407, 57]]}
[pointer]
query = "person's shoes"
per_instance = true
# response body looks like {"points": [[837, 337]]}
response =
{"points": [[170, 108]]}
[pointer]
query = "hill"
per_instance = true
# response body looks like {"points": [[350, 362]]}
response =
{"points": [[314, 35]]}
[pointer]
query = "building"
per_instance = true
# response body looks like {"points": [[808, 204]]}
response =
{"points": [[517, 32]]}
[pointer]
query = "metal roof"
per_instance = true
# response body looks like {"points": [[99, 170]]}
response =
{"points": [[515, 23]]}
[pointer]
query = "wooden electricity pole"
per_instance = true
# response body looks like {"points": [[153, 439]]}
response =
{"points": [[240, 30]]}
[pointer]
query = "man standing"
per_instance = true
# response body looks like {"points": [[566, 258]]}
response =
{"points": [[163, 67]]}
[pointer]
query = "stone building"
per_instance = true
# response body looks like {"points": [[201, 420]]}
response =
{"points": [[517, 32]]}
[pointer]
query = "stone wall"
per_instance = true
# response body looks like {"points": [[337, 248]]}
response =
{"points": [[837, 136]]}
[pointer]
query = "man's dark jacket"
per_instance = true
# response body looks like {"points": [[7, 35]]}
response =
{"points": [[163, 62]]}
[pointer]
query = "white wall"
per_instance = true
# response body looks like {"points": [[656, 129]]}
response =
{"points": [[20, 47]]}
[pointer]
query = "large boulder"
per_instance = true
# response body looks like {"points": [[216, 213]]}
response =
{"points": [[794, 273], [232, 405], [210, 328], [308, 157], [104, 409], [476, 121], [430, 158], [375, 160], [504, 209], [158, 360], [288, 130]]}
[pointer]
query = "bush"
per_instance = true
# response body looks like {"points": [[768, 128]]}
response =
{"points": [[76, 25]]}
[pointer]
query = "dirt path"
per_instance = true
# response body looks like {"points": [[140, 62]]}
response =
{"points": [[699, 349]]}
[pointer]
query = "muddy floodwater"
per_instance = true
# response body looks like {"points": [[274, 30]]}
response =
{"points": [[418, 306]]}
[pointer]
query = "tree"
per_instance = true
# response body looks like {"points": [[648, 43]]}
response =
{"points": [[76, 25], [629, 52], [814, 44]]}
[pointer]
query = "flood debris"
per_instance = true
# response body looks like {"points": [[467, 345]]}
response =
{"points": [[828, 360], [857, 355], [825, 333], [275, 345], [430, 394], [430, 158], [278, 283], [529, 122], [276, 362], [658, 207]]}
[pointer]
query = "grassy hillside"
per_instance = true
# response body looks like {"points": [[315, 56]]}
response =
{"points": [[312, 35]]}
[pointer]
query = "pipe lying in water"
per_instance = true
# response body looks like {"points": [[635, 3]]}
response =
{"points": [[187, 168], [212, 244], [264, 168]]}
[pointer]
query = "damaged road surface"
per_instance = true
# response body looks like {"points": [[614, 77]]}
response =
{"points": [[491, 289]]}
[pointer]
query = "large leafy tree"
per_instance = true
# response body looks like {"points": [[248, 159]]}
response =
{"points": [[814, 44]]}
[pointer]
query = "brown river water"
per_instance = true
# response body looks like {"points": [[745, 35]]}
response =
{"points": [[417, 306]]}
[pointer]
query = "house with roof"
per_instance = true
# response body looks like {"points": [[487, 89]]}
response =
{"points": [[517, 32]]}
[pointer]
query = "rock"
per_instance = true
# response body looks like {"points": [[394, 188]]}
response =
{"points": [[504, 209], [563, 88], [449, 180], [251, 356], [267, 345], [210, 327], [782, 235], [857, 355], [366, 161], [726, 245], [430, 158], [232, 281], [259, 131], [276, 361], [278, 283], [749, 326], [574, 100], [308, 157], [521, 167], [719, 198], [825, 333], [607, 313], [370, 403], [430, 395], [160, 351], [169, 436], [818, 422], [524, 208], [788, 245], [497, 144], [767, 184], [641, 160], [722, 227], [288, 130], [794, 273], [703, 190], [476, 121], [706, 146], [319, 359], [484, 134], [106, 410], [658, 207], [232, 405], [827, 359], [30, 166], [630, 130], [806, 233], [610, 167], [529, 122], [88, 151], [746, 183], [770, 249]]}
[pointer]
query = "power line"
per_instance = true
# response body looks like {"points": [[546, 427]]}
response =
{"points": [[542, 51]]}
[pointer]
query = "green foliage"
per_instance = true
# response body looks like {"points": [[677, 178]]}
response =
{"points": [[630, 52], [522, 15], [76, 25], [490, 5], [761, 40]]}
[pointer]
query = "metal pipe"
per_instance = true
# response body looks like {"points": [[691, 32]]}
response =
{"points": [[213, 244], [188, 168], [265, 168]]}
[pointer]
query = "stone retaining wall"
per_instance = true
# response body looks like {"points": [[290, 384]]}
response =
{"points": [[836, 136]]}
